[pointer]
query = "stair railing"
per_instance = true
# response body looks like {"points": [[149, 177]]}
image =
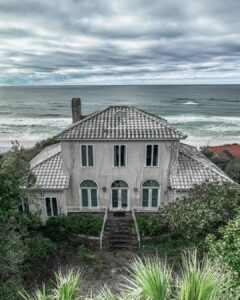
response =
{"points": [[136, 226], [103, 227]]}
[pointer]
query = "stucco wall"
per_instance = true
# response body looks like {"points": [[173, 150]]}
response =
{"points": [[36, 200], [104, 173]]}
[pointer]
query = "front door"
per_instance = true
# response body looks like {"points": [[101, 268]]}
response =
{"points": [[119, 199]]}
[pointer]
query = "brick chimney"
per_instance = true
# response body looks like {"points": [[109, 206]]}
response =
{"points": [[76, 110]]}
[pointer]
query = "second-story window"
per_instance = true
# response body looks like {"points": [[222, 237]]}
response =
{"points": [[119, 154], [87, 155], [152, 156]]}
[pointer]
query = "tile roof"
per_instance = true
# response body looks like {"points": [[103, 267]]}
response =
{"points": [[195, 168], [121, 122], [47, 167]]}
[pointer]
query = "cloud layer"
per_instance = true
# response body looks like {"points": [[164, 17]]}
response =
{"points": [[119, 41]]}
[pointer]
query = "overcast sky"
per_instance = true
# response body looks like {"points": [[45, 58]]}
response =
{"points": [[119, 41]]}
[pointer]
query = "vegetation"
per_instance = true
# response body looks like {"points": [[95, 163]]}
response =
{"points": [[65, 228], [203, 211], [224, 247], [229, 164], [26, 246], [29, 153], [19, 254], [151, 279]]}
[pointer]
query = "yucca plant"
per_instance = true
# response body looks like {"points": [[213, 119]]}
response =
{"points": [[149, 278], [105, 294], [200, 280], [67, 286], [37, 295]]}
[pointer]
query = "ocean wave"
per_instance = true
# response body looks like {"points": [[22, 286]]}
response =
{"points": [[201, 118], [190, 103], [56, 122]]}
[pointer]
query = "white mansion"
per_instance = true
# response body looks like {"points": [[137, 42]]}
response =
{"points": [[118, 158]]}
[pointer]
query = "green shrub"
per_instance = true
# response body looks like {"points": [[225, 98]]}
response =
{"points": [[150, 226], [225, 247], [64, 228], [203, 211], [39, 252]]}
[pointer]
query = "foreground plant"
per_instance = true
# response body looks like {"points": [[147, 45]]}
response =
{"points": [[149, 278], [66, 288], [37, 295], [200, 280]]}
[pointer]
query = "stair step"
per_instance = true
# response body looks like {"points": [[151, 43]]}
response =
{"points": [[119, 232]]}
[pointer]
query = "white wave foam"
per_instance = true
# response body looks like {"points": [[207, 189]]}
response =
{"points": [[190, 103], [58, 122], [200, 118]]}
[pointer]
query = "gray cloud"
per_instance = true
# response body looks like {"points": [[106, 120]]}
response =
{"points": [[99, 42]]}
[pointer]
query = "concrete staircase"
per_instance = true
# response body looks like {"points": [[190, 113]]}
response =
{"points": [[119, 233]]}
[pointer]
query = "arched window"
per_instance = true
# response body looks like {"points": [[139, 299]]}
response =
{"points": [[119, 195], [119, 184], [88, 191], [150, 194]]}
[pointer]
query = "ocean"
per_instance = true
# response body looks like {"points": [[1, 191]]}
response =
{"points": [[208, 114]]}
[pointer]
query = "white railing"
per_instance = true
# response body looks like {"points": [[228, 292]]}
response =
{"points": [[73, 208], [103, 227], [84, 209], [145, 209], [136, 226]]}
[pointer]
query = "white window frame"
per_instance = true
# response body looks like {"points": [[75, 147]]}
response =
{"points": [[89, 196], [45, 203], [151, 166], [126, 156], [87, 160], [150, 207], [119, 188]]}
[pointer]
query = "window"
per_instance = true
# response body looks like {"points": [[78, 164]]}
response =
{"points": [[152, 156], [119, 194], [87, 155], [51, 206], [24, 206], [119, 156], [150, 194], [89, 194]]}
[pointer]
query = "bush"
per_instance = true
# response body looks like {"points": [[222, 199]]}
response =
{"points": [[150, 226], [203, 211], [39, 252], [64, 228], [224, 247]]}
